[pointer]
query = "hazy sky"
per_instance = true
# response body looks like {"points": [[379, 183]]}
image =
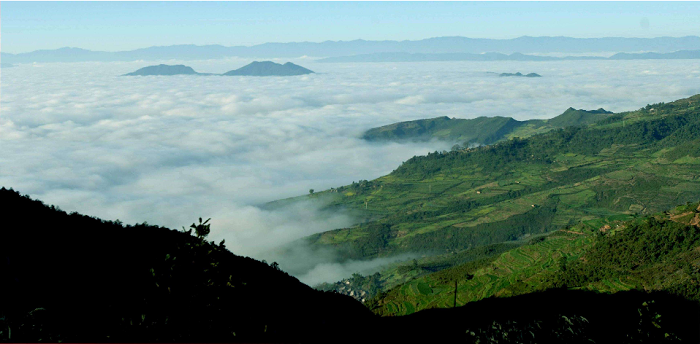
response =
{"points": [[112, 26]]}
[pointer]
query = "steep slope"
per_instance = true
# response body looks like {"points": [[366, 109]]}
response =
{"points": [[481, 130], [638, 162], [70, 277], [269, 68], [484, 130], [574, 117]]}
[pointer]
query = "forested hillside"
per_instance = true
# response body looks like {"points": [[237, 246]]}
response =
{"points": [[638, 162], [654, 253], [481, 130], [447, 204]]}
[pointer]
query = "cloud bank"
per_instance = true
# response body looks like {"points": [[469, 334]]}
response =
{"points": [[170, 149]]}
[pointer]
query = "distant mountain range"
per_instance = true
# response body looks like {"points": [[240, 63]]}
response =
{"points": [[410, 57], [438, 45], [256, 68]]}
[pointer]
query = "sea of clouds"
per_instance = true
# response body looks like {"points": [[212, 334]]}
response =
{"points": [[168, 149]]}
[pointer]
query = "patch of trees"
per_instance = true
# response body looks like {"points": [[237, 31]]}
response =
{"points": [[377, 236], [659, 253], [541, 148]]}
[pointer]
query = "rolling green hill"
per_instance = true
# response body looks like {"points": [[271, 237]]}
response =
{"points": [[481, 130], [638, 162], [445, 204]]}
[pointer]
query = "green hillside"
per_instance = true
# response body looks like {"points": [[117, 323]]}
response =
{"points": [[481, 130], [447, 204], [637, 162], [573, 117], [654, 253]]}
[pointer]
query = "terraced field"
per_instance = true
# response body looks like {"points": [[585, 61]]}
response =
{"points": [[660, 253], [517, 271], [441, 205], [630, 164]]}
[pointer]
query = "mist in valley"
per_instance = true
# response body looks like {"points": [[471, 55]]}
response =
{"points": [[166, 150]]}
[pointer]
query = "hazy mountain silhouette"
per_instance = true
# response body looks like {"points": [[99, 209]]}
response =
{"points": [[518, 74], [256, 68], [164, 70], [409, 57], [269, 68], [437, 45]]}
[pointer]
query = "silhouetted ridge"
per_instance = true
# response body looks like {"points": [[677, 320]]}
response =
{"points": [[71, 277]]}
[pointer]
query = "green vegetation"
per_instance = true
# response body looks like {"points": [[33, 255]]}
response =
{"points": [[519, 271], [481, 130], [579, 179], [633, 163], [658, 252], [403, 272]]}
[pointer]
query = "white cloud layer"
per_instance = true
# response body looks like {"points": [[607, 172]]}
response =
{"points": [[170, 149]]}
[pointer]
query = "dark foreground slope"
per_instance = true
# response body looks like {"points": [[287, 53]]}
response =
{"points": [[73, 278], [558, 316]]}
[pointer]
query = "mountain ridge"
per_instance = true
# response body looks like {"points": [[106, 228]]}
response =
{"points": [[255, 68], [343, 48], [481, 130], [495, 56]]}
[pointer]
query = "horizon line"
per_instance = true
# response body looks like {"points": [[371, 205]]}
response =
{"points": [[342, 41]]}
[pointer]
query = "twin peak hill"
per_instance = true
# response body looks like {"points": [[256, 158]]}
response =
{"points": [[256, 68]]}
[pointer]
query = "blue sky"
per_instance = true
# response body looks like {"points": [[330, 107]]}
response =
{"points": [[113, 26]]}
